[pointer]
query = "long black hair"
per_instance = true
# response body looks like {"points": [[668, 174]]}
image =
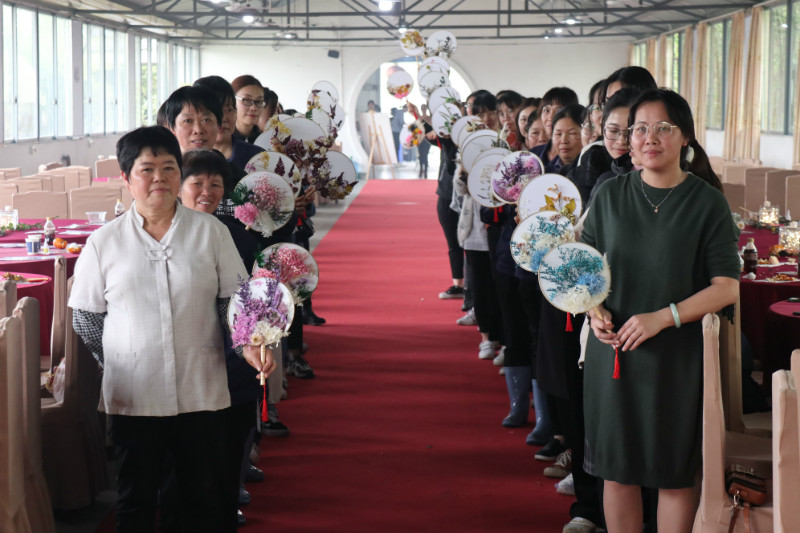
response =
{"points": [[680, 113]]}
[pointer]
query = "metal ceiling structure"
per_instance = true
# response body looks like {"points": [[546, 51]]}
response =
{"points": [[359, 22]]}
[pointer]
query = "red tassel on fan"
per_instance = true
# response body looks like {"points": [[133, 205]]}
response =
{"points": [[569, 322], [496, 218], [616, 363], [264, 409]]}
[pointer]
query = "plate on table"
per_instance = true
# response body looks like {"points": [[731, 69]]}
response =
{"points": [[479, 180], [443, 119], [551, 192], [277, 163], [513, 173]]}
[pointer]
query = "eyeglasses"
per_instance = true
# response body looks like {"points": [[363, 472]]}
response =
{"points": [[662, 130], [587, 127], [595, 109], [612, 133], [249, 102]]}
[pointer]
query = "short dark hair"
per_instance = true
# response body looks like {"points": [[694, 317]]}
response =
{"points": [[636, 77], [526, 103], [209, 162], [271, 98], [199, 98], [623, 98], [595, 90], [562, 96], [157, 139], [571, 111], [220, 87], [244, 81], [511, 99], [483, 101]]}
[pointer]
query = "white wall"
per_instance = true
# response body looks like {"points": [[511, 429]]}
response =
{"points": [[531, 69], [29, 155]]}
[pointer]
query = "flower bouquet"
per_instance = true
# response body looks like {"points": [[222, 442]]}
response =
{"points": [[537, 235], [292, 265], [263, 201], [279, 164], [260, 313], [513, 173]]}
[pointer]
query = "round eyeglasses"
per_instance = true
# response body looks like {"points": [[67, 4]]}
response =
{"points": [[662, 130], [249, 102], [612, 133]]}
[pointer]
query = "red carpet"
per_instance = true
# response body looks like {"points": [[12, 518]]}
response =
{"points": [[400, 431]]}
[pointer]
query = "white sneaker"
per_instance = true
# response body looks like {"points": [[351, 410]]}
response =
{"points": [[468, 319], [502, 371], [581, 525], [486, 349], [501, 357], [567, 486]]}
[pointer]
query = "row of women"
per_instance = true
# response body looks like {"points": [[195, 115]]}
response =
{"points": [[150, 301], [654, 207]]}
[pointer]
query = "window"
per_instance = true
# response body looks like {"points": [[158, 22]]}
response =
{"points": [[640, 55], [151, 79], [673, 55], [779, 70], [717, 49], [9, 87], [105, 81], [184, 65], [93, 80]]}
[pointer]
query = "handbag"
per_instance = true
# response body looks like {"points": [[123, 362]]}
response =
{"points": [[747, 489]]}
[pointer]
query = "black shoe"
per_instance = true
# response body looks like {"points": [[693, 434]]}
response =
{"points": [[465, 306], [244, 496], [240, 519], [299, 368], [304, 348], [550, 451], [453, 293], [310, 319], [273, 429], [253, 474]]}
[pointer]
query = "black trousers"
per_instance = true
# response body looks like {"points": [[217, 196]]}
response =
{"points": [[197, 444], [448, 219], [515, 326], [422, 149], [241, 421], [483, 289]]}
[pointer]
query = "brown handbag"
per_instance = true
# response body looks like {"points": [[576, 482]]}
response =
{"points": [[747, 489]]}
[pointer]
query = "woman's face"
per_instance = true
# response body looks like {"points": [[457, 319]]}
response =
{"points": [[490, 119], [548, 112], [228, 123], [653, 151], [567, 139], [195, 129], [248, 115], [536, 134], [154, 181], [522, 119], [506, 116], [617, 126], [202, 192]]}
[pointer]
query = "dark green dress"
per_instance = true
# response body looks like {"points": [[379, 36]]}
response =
{"points": [[645, 428]]}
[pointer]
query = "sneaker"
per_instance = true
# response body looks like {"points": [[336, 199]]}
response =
{"points": [[561, 467], [253, 474], [486, 350], [502, 371], [464, 306], [581, 525], [566, 486], [274, 429], [500, 358], [299, 368], [240, 519], [550, 451], [468, 319], [453, 293]]}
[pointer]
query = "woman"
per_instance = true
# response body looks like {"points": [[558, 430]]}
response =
{"points": [[250, 102], [566, 137], [164, 307], [271, 98], [671, 246], [535, 134], [529, 107], [508, 103], [552, 102]]}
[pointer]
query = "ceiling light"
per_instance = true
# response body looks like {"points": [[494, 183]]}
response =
{"points": [[558, 30], [784, 25], [248, 19], [385, 5], [402, 29], [570, 21], [289, 35], [546, 36]]}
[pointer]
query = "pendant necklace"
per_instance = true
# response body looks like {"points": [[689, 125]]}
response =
{"points": [[656, 206]]}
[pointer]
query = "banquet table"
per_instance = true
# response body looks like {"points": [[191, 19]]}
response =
{"points": [[71, 230], [758, 295], [41, 288], [783, 331]]}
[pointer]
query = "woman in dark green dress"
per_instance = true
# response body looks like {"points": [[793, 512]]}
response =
{"points": [[671, 245]]}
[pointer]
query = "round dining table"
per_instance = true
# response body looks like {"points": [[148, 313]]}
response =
{"points": [[37, 286], [783, 331]]}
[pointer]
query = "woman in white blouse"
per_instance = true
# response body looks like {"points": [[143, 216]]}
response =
{"points": [[150, 293]]}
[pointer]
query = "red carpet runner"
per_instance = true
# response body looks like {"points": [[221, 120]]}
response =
{"points": [[400, 431]]}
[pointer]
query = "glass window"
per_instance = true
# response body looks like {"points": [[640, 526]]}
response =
{"points": [[63, 77], [674, 52], [717, 50], [93, 80], [122, 81], [776, 32], [26, 75], [9, 89], [110, 85], [47, 90], [640, 54]]}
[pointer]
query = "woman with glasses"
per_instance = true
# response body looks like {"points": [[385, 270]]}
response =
{"points": [[671, 244], [250, 103]]}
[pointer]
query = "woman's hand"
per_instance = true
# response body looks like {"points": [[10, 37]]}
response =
{"points": [[252, 354], [602, 326], [639, 328], [431, 136]]}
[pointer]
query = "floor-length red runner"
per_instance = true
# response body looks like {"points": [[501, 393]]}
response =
{"points": [[400, 431]]}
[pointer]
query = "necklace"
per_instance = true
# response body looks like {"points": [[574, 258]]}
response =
{"points": [[656, 206]]}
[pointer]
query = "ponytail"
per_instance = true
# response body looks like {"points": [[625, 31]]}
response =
{"points": [[695, 160]]}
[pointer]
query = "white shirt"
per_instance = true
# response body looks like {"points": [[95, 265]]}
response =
{"points": [[162, 338]]}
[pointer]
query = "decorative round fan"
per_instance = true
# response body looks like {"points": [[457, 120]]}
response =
{"points": [[479, 179], [551, 192], [537, 235], [263, 201], [513, 173], [292, 265]]}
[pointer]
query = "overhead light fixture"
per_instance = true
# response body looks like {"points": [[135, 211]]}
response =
{"points": [[546, 35], [402, 28], [570, 21], [558, 30], [289, 35], [784, 25], [385, 5], [248, 19]]}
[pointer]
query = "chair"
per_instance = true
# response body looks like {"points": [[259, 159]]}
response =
{"points": [[7, 189], [751, 162], [57, 178], [84, 173], [13, 515], [755, 187], [734, 173], [793, 195], [72, 179], [47, 182], [86, 199], [72, 439], [8, 298], [11, 173], [59, 330], [49, 166], [722, 448], [776, 186], [39, 204], [27, 184], [37, 496], [107, 168], [785, 452], [717, 165], [734, 193]]}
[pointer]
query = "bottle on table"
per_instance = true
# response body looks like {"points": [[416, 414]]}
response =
{"points": [[750, 256], [119, 208], [49, 232]]}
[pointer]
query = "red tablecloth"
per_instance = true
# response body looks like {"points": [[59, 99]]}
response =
{"points": [[783, 333], [758, 295], [77, 234], [42, 291]]}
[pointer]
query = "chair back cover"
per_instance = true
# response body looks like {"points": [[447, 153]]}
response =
{"points": [[40, 204], [86, 199], [785, 453]]}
